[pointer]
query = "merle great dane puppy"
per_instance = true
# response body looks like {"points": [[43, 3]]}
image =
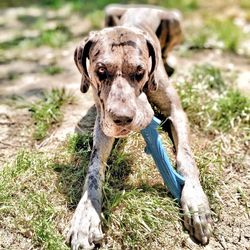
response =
{"points": [[125, 64]]}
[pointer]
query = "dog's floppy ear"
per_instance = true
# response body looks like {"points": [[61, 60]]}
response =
{"points": [[151, 85], [80, 56]]}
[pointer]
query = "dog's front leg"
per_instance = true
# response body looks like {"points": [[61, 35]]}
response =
{"points": [[197, 215], [85, 228], [194, 202]]}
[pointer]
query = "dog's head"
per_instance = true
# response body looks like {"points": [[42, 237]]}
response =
{"points": [[119, 64]]}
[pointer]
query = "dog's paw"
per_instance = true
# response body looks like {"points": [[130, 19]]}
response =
{"points": [[197, 214], [85, 229]]}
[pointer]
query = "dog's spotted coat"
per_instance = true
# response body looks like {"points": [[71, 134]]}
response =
{"points": [[126, 66]]}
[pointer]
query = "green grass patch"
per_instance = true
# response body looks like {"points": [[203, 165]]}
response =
{"points": [[183, 5], [38, 193], [210, 163], [140, 215], [209, 76], [10, 76], [52, 69], [88, 6], [227, 32], [72, 175], [18, 41], [55, 38], [29, 202], [231, 110], [96, 18], [28, 20], [223, 34], [211, 104], [135, 213], [244, 4], [131, 213], [46, 112]]}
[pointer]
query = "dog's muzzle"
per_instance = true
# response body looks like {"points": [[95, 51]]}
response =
{"points": [[121, 120]]}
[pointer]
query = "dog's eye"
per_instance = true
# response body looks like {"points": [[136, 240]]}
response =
{"points": [[139, 73], [102, 73]]}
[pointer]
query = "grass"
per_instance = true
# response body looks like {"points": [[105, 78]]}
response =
{"points": [[230, 39], [29, 202], [223, 114], [131, 214], [220, 108], [183, 5], [36, 190], [10, 76], [88, 6], [18, 41], [39, 193], [210, 162], [215, 34], [209, 76], [96, 17], [52, 69], [232, 110], [46, 112], [244, 4], [141, 215], [55, 38], [72, 172]]}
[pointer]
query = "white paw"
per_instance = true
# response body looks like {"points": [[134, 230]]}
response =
{"points": [[197, 214], [85, 229]]}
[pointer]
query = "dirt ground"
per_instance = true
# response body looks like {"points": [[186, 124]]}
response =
{"points": [[232, 231]]}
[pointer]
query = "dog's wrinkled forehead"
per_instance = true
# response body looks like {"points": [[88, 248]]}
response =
{"points": [[118, 45]]}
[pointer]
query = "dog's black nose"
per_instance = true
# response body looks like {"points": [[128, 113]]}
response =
{"points": [[122, 120]]}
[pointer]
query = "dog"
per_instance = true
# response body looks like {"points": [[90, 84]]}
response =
{"points": [[126, 66]]}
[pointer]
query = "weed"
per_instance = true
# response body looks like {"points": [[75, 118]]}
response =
{"points": [[208, 76], [141, 215], [215, 111], [215, 34], [27, 200], [210, 164], [27, 19], [10, 76], [72, 173], [79, 144], [96, 18], [18, 41], [244, 4], [243, 197], [54, 37], [199, 40], [135, 215], [184, 5], [230, 39], [231, 110], [46, 112], [53, 69]]}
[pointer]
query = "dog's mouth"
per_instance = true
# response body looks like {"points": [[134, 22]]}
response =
{"points": [[119, 132], [113, 130], [123, 132]]}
